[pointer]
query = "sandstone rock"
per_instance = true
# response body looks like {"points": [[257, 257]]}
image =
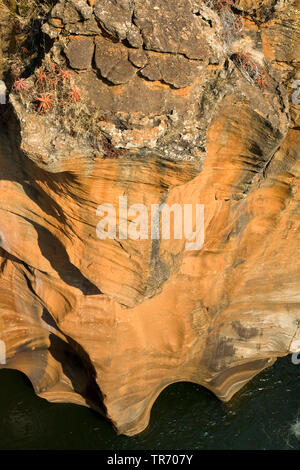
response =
{"points": [[6, 29], [262, 11], [77, 17], [171, 26], [56, 22], [176, 70], [282, 31], [170, 111]]}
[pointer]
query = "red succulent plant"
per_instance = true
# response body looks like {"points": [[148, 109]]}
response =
{"points": [[20, 85], [46, 102]]}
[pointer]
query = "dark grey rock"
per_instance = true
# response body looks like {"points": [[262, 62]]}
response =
{"points": [[111, 59], [176, 70], [80, 51], [115, 16]]}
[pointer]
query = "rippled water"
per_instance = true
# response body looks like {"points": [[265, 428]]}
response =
{"points": [[264, 415]]}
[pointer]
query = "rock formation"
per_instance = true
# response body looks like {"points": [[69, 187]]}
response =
{"points": [[161, 101]]}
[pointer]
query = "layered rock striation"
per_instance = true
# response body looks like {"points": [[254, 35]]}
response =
{"points": [[160, 101]]}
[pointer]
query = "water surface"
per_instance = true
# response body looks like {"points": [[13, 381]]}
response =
{"points": [[185, 416]]}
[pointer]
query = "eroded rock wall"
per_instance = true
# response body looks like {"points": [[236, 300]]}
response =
{"points": [[177, 102]]}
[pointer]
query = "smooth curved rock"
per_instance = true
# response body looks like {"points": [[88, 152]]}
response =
{"points": [[175, 117]]}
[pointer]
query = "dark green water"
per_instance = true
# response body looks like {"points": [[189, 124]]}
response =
{"points": [[185, 416]]}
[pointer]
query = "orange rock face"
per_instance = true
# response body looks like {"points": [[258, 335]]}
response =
{"points": [[193, 115]]}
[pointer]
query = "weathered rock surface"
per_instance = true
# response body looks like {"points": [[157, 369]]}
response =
{"points": [[180, 117], [80, 52]]}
